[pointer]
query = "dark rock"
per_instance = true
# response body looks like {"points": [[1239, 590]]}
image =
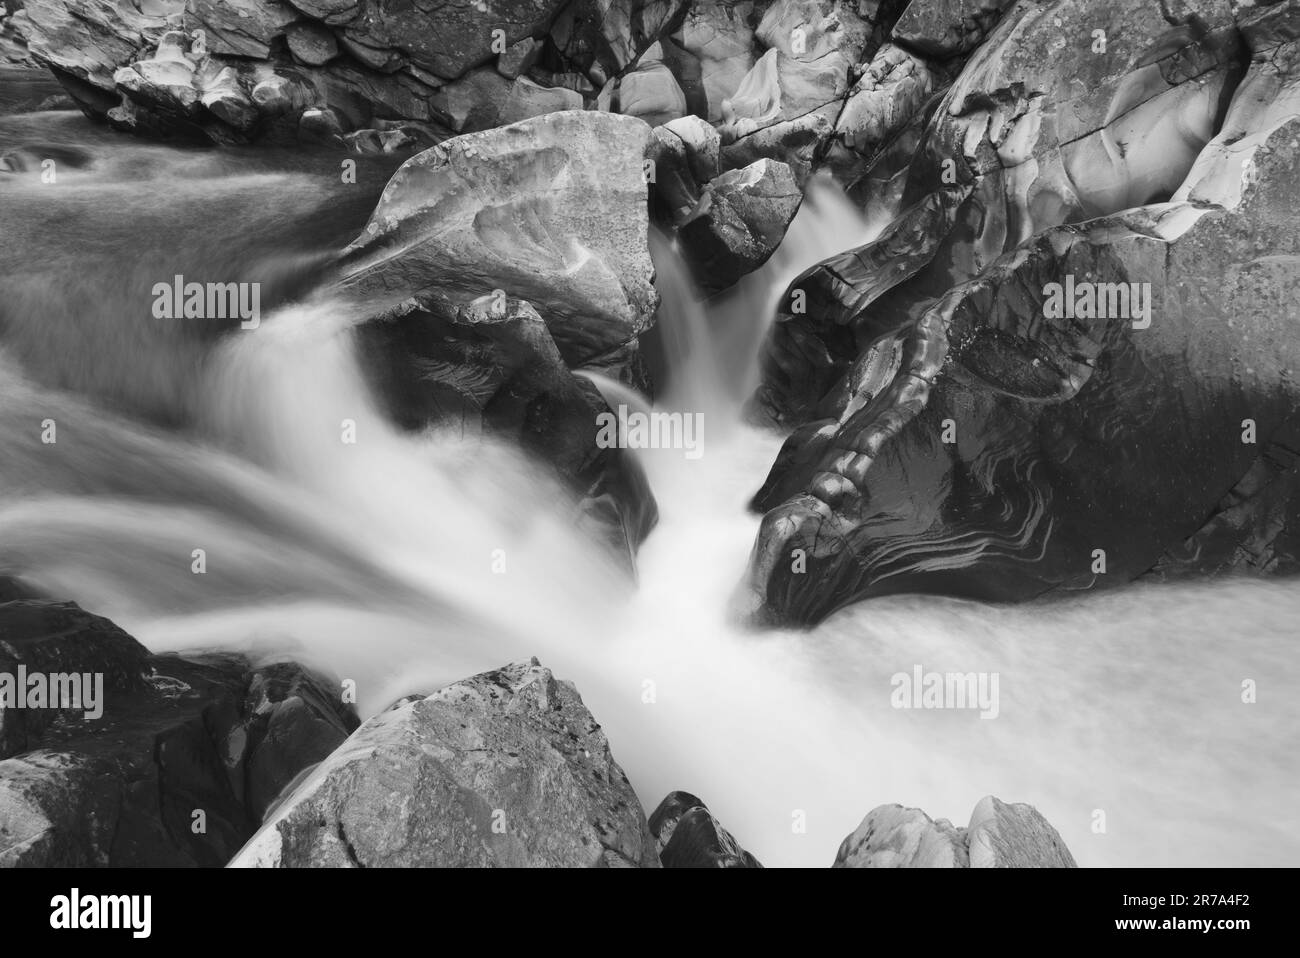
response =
{"points": [[176, 770], [947, 28], [504, 769], [688, 836], [601, 38], [493, 369], [1068, 438], [740, 220]]}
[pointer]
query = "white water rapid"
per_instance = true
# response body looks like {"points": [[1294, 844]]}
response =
{"points": [[375, 560]]}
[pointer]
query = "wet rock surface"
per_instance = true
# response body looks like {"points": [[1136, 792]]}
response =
{"points": [[958, 428], [176, 770]]}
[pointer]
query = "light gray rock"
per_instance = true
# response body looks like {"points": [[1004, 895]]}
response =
{"points": [[892, 836], [504, 769], [1013, 836], [649, 91], [528, 99], [551, 210], [999, 836]]}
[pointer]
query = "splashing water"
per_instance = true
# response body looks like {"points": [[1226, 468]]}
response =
{"points": [[375, 559]]}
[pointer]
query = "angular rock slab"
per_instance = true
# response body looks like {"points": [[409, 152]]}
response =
{"points": [[504, 769], [551, 210]]}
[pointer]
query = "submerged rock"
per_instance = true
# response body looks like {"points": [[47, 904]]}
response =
{"points": [[504, 769], [998, 836], [688, 836], [176, 770]]}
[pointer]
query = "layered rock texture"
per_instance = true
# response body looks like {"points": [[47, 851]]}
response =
{"points": [[1069, 360], [172, 762], [999, 835]]}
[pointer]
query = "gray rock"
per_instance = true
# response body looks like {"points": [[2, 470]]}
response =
{"points": [[551, 210], [177, 769], [688, 836], [240, 28], [504, 769], [601, 38], [472, 103], [720, 36], [892, 836], [740, 220], [528, 99], [947, 28], [649, 91], [998, 836], [311, 43], [1013, 836]]}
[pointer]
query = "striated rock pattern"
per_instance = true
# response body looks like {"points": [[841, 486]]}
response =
{"points": [[505, 769], [961, 428]]}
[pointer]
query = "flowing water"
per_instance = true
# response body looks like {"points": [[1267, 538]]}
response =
{"points": [[380, 560]]}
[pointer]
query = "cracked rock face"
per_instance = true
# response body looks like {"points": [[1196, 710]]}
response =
{"points": [[963, 431], [504, 769]]}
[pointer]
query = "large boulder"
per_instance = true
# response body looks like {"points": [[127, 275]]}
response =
{"points": [[504, 769], [999, 836], [551, 210], [982, 425], [173, 766], [602, 38]]}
